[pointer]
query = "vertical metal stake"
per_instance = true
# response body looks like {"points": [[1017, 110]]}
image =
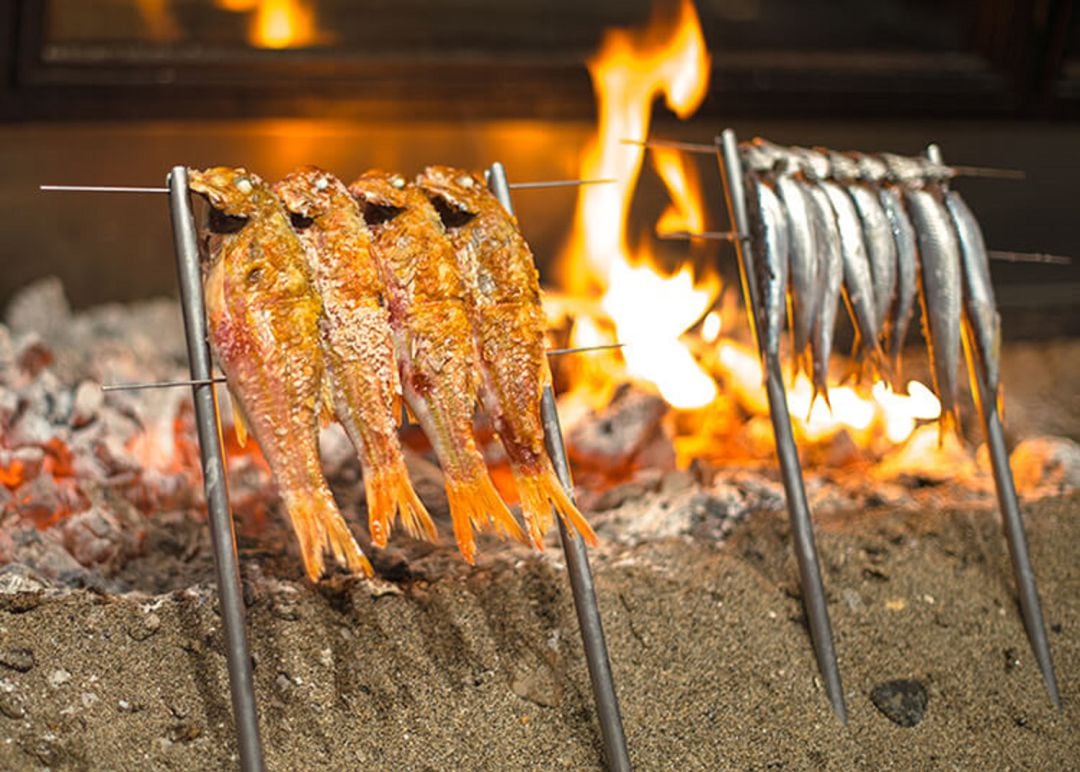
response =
{"points": [[577, 563], [813, 590], [1030, 608], [230, 597]]}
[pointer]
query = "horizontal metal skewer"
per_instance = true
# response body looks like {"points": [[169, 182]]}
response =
{"points": [[703, 149], [553, 352], [994, 254], [135, 189]]}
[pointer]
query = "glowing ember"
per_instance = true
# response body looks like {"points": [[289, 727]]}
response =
{"points": [[650, 311]]}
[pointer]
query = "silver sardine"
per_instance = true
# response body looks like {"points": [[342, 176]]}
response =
{"points": [[771, 242], [979, 302], [939, 253]]}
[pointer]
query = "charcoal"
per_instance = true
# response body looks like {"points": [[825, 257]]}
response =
{"points": [[88, 400], [42, 308], [96, 540], [32, 355]]}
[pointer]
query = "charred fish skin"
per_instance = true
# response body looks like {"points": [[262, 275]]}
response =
{"points": [[263, 315], [877, 235], [358, 345], [979, 303], [771, 242], [436, 351], [502, 288], [940, 294]]}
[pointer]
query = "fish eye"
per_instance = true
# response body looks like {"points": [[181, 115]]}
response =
{"points": [[243, 184], [322, 183], [397, 181]]}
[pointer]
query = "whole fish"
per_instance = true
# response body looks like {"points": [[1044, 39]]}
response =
{"points": [[803, 268], [434, 342], [264, 314], [983, 318], [771, 242], [940, 283], [858, 284], [502, 288], [358, 344], [877, 235], [830, 280]]}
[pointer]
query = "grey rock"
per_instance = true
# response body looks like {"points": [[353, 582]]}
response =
{"points": [[21, 660], [902, 701]]}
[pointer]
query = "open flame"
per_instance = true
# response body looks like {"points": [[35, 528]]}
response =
{"points": [[278, 23], [650, 311]]}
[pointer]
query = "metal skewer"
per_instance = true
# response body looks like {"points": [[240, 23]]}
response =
{"points": [[813, 589], [577, 563], [701, 148], [136, 189], [1030, 607], [551, 352], [994, 254], [208, 423]]}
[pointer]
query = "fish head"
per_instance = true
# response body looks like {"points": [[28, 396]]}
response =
{"points": [[310, 192], [233, 191], [812, 163], [844, 168], [460, 189], [904, 169], [381, 188], [871, 167]]}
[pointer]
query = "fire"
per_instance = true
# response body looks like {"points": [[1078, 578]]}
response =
{"points": [[650, 311], [278, 23]]}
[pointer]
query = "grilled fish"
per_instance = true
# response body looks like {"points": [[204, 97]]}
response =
{"points": [[771, 240], [502, 288], [858, 283], [877, 233], [940, 285], [982, 314], [434, 342], [358, 345], [264, 315], [803, 257]]}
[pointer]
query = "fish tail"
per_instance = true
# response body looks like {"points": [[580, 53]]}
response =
{"points": [[318, 525], [540, 491], [389, 493], [474, 503]]}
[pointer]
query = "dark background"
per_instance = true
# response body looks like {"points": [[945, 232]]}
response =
{"points": [[92, 92]]}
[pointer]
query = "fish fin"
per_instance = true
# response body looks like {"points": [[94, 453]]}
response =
{"points": [[540, 491], [239, 422], [318, 524], [389, 492], [476, 504]]}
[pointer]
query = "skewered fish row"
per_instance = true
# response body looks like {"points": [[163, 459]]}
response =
{"points": [[883, 229], [332, 301]]}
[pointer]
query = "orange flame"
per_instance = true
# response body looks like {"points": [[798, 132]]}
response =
{"points": [[650, 311], [278, 23]]}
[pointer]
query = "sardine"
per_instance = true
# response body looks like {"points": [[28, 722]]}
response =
{"points": [[875, 172], [771, 243], [940, 284], [858, 284], [502, 288], [803, 258], [264, 314], [358, 345], [877, 235], [830, 282], [983, 318], [436, 352]]}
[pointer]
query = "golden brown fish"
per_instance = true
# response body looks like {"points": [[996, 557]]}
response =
{"points": [[435, 348], [264, 326], [358, 344], [503, 292]]}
